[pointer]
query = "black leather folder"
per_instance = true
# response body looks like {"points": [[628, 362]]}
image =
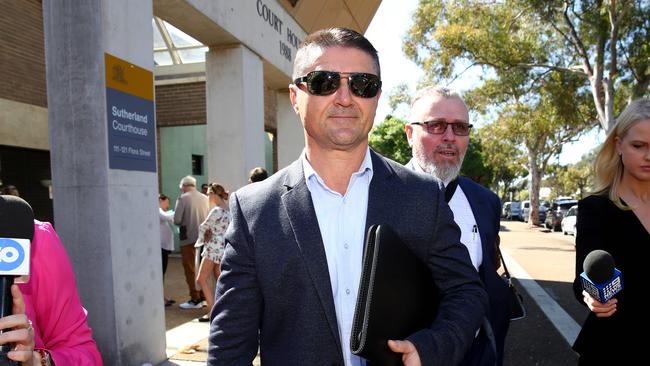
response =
{"points": [[397, 297]]}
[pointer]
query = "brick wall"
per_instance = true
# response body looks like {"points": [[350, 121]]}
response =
{"points": [[180, 104], [270, 109], [22, 59]]}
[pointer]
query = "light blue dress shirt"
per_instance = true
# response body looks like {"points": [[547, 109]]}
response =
{"points": [[342, 223]]}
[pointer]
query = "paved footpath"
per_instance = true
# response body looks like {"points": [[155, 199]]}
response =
{"points": [[541, 261], [187, 338], [543, 264]]}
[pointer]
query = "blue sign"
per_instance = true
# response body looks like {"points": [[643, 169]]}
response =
{"points": [[131, 132]]}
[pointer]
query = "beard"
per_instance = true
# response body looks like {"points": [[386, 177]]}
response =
{"points": [[446, 171]]}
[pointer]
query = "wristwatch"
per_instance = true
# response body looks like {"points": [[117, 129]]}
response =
{"points": [[46, 360]]}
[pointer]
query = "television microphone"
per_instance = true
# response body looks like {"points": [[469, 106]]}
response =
{"points": [[16, 234], [600, 278]]}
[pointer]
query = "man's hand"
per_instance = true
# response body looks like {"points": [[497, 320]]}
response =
{"points": [[410, 355]]}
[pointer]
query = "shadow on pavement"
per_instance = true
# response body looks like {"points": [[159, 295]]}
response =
{"points": [[534, 340]]}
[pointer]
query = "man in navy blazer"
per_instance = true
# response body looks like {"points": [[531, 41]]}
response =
{"points": [[438, 133], [290, 272]]}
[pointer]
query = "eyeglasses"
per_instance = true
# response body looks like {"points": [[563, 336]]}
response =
{"points": [[327, 82], [439, 127]]}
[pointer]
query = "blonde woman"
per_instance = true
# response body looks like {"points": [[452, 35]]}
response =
{"points": [[616, 218], [211, 234]]}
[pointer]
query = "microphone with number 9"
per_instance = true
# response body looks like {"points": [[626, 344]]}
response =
{"points": [[16, 234], [600, 279]]}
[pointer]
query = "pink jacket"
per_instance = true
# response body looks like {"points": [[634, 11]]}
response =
{"points": [[52, 303]]}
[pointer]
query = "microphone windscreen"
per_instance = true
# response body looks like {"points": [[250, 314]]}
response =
{"points": [[599, 266], [16, 218]]}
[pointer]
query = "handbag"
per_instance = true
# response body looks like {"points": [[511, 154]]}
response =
{"points": [[182, 233], [515, 299]]}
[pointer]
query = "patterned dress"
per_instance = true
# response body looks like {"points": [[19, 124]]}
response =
{"points": [[217, 222]]}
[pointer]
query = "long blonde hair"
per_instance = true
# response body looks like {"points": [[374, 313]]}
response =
{"points": [[609, 165]]}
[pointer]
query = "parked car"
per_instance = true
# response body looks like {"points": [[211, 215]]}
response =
{"points": [[541, 212], [569, 221], [543, 209], [525, 210], [557, 211], [512, 210]]}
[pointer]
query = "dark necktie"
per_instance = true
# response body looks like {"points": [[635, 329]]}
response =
{"points": [[450, 189]]}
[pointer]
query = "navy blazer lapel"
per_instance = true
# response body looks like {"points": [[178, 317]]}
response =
{"points": [[302, 216]]}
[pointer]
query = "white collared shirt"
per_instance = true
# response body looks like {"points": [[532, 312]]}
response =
{"points": [[464, 218], [342, 222]]}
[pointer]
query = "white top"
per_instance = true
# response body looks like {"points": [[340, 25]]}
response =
{"points": [[342, 222], [166, 234], [469, 234]]}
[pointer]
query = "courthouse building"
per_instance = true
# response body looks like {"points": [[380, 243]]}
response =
{"points": [[106, 103]]}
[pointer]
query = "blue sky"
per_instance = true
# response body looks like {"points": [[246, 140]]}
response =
{"points": [[388, 27]]}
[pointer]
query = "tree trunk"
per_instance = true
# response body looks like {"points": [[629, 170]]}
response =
{"points": [[533, 194]]}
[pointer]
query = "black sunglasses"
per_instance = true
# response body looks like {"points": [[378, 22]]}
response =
{"points": [[439, 127], [327, 82]]}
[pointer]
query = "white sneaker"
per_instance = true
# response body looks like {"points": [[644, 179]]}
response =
{"points": [[192, 304]]}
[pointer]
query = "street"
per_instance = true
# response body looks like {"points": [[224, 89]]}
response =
{"points": [[543, 264]]}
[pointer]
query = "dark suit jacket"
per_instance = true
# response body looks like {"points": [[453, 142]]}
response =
{"points": [[602, 225], [275, 290], [486, 207]]}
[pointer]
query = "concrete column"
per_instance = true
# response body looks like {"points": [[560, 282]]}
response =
{"points": [[235, 114], [106, 216], [291, 138]]}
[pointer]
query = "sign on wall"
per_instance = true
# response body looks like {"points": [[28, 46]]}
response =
{"points": [[131, 117]]}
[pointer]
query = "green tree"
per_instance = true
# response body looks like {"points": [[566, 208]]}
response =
{"points": [[580, 176], [399, 95], [574, 180], [603, 43], [555, 181], [506, 160], [475, 165], [538, 123], [533, 107], [389, 139]]}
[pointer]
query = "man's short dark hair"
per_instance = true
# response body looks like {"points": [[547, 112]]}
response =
{"points": [[258, 174], [332, 37]]}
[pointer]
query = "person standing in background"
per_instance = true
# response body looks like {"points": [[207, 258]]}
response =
{"points": [[190, 211], [211, 237], [616, 219], [257, 175], [439, 136], [10, 190], [166, 218]]}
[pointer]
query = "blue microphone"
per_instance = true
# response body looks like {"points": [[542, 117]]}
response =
{"points": [[600, 278], [16, 233]]}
